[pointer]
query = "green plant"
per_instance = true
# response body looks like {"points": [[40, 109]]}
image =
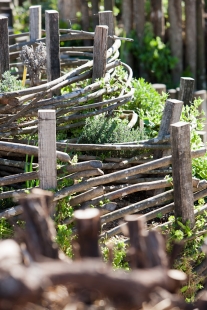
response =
{"points": [[6, 229], [9, 83], [107, 129], [154, 55], [119, 248], [191, 255], [148, 104]]}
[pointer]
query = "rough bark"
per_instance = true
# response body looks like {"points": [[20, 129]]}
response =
{"points": [[175, 34]]}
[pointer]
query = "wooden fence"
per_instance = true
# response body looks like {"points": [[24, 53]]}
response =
{"points": [[102, 181], [40, 274]]}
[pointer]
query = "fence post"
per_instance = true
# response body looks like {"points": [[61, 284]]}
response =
{"points": [[171, 114], [35, 22], [47, 149], [182, 172], [107, 18], [203, 107], [160, 88], [88, 227], [4, 44], [186, 90], [52, 44], [99, 52]]}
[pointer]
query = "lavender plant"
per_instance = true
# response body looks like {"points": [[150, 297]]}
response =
{"points": [[35, 61]]}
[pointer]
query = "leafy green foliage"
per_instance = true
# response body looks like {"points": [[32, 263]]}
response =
{"points": [[154, 55], [192, 255], [107, 129], [9, 83], [6, 230], [148, 104], [119, 253]]}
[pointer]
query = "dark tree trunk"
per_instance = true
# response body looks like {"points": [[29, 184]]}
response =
{"points": [[157, 18], [190, 36], [201, 74], [95, 10], [127, 18], [175, 35]]}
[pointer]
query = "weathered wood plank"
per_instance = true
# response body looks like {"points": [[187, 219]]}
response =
{"points": [[182, 172], [47, 149]]}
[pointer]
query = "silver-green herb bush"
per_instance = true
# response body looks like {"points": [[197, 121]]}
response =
{"points": [[9, 83]]}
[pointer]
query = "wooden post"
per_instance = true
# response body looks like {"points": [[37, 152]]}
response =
{"points": [[171, 114], [157, 18], [160, 88], [147, 249], [186, 90], [107, 18], [4, 45], [203, 107], [190, 36], [88, 227], [35, 22], [47, 149], [172, 93], [182, 172], [200, 25], [52, 44], [99, 52]]}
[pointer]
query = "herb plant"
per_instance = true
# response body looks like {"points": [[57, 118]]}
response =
{"points": [[107, 129], [9, 83]]}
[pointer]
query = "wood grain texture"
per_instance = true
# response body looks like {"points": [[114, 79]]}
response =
{"points": [[47, 149], [99, 52], [52, 44], [35, 22], [182, 172], [4, 43]]}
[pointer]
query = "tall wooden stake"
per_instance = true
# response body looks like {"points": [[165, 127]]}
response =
{"points": [[4, 45], [35, 22], [182, 172], [107, 18], [52, 44], [47, 149], [99, 52], [186, 90]]}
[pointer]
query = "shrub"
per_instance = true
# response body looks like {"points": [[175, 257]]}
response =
{"points": [[107, 129]]}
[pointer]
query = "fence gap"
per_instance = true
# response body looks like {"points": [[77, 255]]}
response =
{"points": [[182, 172], [186, 90], [47, 149], [4, 44], [35, 22], [107, 18]]}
